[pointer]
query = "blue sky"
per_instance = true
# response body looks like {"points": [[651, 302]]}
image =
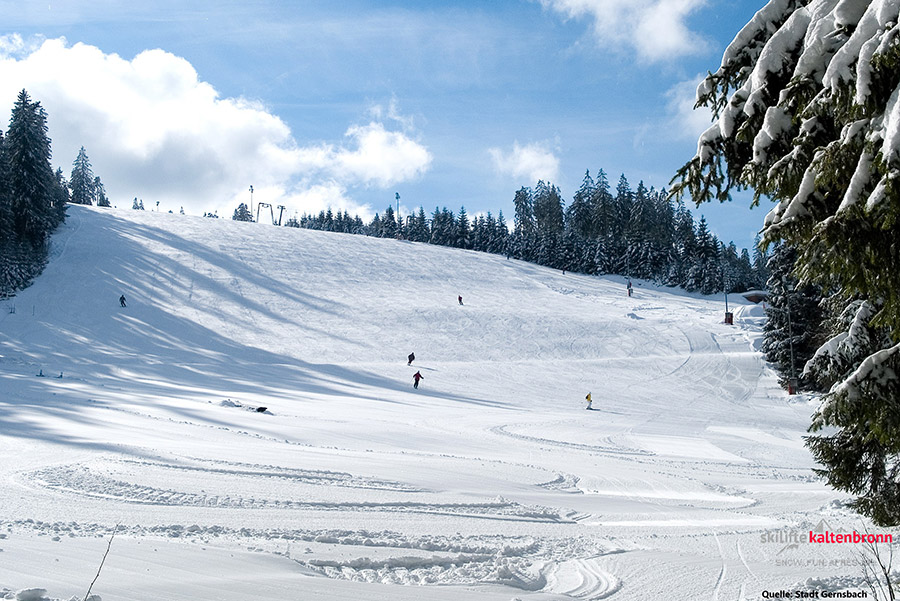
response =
{"points": [[347, 103]]}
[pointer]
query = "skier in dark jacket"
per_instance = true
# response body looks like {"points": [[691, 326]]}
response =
{"points": [[460, 299], [417, 376], [411, 358], [122, 300]]}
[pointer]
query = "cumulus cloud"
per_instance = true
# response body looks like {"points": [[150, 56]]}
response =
{"points": [[527, 164], [153, 129], [375, 157], [687, 122], [655, 29]]}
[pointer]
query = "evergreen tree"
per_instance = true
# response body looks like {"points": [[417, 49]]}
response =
{"points": [[479, 233], [388, 224], [463, 232], [620, 215], [580, 214], [31, 183], [81, 182], [709, 258], [745, 278], [703, 272], [501, 234], [418, 229], [729, 259], [603, 204], [548, 209], [524, 218], [760, 263], [638, 235], [443, 227], [100, 193], [241, 213], [60, 195]]}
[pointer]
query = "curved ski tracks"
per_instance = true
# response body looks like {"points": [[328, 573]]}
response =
{"points": [[581, 579]]}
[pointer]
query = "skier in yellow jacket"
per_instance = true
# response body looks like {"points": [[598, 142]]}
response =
{"points": [[588, 399]]}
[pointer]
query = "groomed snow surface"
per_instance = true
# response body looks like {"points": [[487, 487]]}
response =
{"points": [[491, 481]]}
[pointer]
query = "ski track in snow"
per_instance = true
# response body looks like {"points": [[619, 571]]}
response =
{"points": [[83, 482], [581, 579], [610, 449], [491, 477]]}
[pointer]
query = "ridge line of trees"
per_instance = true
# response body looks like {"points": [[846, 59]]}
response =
{"points": [[638, 233]]}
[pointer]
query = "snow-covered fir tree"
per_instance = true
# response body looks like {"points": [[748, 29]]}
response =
{"points": [[241, 213], [580, 213], [548, 208], [524, 212], [463, 231], [603, 215], [31, 182], [388, 224], [81, 181], [100, 193]]}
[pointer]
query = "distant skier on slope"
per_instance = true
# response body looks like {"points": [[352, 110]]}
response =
{"points": [[417, 376], [122, 300], [460, 299], [629, 287], [588, 399], [411, 358]]}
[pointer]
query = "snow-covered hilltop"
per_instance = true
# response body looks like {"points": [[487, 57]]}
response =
{"points": [[491, 477]]}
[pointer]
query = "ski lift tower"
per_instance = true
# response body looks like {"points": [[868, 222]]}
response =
{"points": [[251, 201], [260, 205], [281, 209], [399, 222]]}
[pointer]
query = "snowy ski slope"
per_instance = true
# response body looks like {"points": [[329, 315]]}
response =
{"points": [[490, 479]]}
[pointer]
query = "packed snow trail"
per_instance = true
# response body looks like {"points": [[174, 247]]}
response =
{"points": [[491, 477]]}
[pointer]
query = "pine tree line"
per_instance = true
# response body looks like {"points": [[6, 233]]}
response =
{"points": [[32, 196], [637, 233]]}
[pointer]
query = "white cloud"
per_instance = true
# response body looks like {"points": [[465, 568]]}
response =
{"points": [[154, 130], [687, 122], [392, 111], [655, 29], [379, 157], [11, 44], [527, 164]]}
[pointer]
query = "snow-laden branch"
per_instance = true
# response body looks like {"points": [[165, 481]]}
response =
{"points": [[873, 370]]}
